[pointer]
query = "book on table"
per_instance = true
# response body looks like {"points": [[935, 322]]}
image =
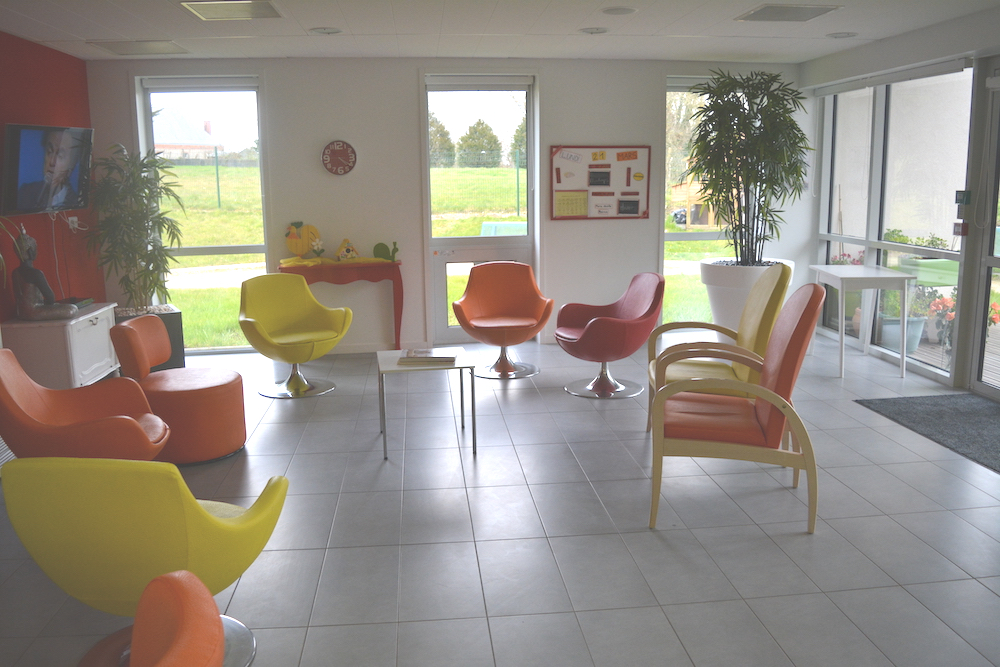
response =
{"points": [[431, 355]]}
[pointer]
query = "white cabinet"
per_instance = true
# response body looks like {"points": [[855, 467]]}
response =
{"points": [[62, 354]]}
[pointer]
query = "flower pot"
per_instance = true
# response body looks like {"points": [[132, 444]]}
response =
{"points": [[728, 286], [890, 333]]}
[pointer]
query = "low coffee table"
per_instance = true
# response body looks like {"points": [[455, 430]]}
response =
{"points": [[388, 362]]}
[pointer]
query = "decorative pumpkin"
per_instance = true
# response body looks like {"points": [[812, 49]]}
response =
{"points": [[301, 238], [347, 250]]}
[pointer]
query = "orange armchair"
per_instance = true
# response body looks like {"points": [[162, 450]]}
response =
{"points": [[689, 423], [177, 624], [109, 419], [502, 306], [609, 333], [202, 406]]}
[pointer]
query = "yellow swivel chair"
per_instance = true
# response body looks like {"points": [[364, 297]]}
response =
{"points": [[102, 529], [756, 321], [282, 320]]}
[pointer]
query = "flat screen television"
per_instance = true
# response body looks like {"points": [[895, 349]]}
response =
{"points": [[45, 169]]}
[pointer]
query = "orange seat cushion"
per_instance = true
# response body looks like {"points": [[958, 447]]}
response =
{"points": [[690, 416], [503, 322]]}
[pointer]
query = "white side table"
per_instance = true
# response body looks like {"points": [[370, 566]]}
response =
{"points": [[63, 354], [847, 278], [388, 362]]}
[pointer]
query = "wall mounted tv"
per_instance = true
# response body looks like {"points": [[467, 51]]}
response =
{"points": [[45, 169]]}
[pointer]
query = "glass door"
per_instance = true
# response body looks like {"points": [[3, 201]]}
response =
{"points": [[211, 136], [984, 224], [480, 170], [690, 231]]}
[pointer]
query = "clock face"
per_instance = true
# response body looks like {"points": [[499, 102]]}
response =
{"points": [[339, 157]]}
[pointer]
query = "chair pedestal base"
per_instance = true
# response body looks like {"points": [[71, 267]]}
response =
{"points": [[505, 369], [241, 647], [297, 386], [604, 386], [115, 649]]}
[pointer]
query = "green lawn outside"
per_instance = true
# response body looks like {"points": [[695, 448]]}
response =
{"points": [[210, 317]]}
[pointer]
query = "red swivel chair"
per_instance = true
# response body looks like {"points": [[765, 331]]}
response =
{"points": [[202, 406], [687, 422], [502, 306], [609, 333], [177, 624]]}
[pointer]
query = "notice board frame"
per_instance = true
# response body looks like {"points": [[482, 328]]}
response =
{"points": [[599, 182]]}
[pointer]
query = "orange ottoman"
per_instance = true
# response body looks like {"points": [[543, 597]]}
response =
{"points": [[202, 406]]}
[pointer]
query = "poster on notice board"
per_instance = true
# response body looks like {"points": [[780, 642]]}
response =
{"points": [[594, 182]]}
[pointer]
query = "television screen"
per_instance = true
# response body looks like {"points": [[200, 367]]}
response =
{"points": [[45, 169]]}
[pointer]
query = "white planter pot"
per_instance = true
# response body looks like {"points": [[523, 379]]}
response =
{"points": [[728, 287], [890, 333]]}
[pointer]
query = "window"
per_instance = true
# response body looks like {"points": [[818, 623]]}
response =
{"points": [[896, 156], [690, 230], [926, 144], [210, 133]]}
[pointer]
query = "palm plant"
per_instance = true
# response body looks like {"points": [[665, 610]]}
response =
{"points": [[749, 154], [134, 233]]}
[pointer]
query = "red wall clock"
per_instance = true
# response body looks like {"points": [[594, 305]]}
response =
{"points": [[339, 157]]}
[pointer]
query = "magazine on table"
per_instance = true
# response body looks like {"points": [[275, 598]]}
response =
{"points": [[445, 355]]}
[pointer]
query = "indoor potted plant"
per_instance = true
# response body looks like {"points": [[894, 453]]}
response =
{"points": [[134, 234], [749, 155]]}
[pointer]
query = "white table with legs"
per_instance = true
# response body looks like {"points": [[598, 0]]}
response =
{"points": [[849, 277], [388, 362]]}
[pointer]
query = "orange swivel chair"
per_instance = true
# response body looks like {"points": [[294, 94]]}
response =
{"points": [[177, 624], [609, 333], [109, 419], [687, 422], [502, 306], [202, 406]]}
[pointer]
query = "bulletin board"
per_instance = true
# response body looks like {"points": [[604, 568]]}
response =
{"points": [[593, 182]]}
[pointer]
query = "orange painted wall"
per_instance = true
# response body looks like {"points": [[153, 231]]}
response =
{"points": [[41, 86]]}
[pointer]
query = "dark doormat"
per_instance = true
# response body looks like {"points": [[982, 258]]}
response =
{"points": [[964, 423]]}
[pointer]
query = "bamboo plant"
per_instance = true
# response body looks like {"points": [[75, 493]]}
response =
{"points": [[134, 232], [749, 154]]}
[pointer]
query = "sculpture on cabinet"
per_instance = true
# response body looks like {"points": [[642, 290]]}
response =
{"points": [[35, 299]]}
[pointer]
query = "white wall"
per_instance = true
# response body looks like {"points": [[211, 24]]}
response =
{"points": [[374, 104]]}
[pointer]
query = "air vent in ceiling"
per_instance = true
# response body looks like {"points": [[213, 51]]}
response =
{"points": [[232, 10], [141, 48], [787, 13]]}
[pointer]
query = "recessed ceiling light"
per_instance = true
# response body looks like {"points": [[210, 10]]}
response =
{"points": [[841, 35], [232, 10], [141, 48], [793, 13], [618, 11], [594, 31], [325, 31]]}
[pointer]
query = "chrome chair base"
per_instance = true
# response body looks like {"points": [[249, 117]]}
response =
{"points": [[505, 369], [604, 386], [297, 386], [241, 647]]}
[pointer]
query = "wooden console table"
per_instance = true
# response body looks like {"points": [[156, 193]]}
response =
{"points": [[349, 272]]}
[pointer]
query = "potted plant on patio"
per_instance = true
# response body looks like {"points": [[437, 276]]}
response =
{"points": [[135, 234], [748, 154]]}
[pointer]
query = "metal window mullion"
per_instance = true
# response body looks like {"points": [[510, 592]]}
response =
{"points": [[876, 180]]}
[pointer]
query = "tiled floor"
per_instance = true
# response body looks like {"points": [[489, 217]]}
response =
{"points": [[536, 552]]}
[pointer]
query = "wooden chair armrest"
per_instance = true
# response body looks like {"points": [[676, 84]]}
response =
{"points": [[670, 326]]}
